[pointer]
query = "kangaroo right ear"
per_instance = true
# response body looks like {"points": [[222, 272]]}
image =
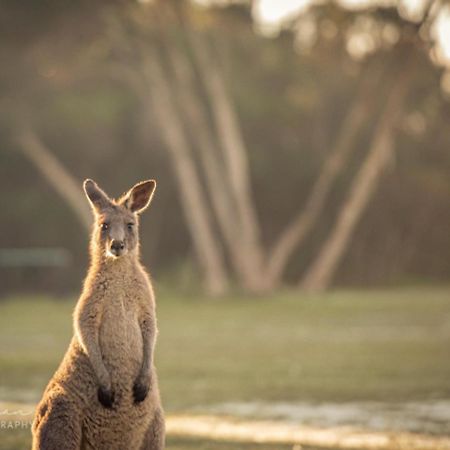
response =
{"points": [[97, 198]]}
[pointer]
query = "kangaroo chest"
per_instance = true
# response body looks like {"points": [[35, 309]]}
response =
{"points": [[120, 335]]}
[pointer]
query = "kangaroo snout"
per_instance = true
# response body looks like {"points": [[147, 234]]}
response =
{"points": [[116, 247]]}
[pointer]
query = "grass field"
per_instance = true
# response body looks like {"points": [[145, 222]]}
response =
{"points": [[390, 346]]}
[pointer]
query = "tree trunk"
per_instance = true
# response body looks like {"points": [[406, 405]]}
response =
{"points": [[55, 174], [235, 155], [218, 187], [192, 199], [151, 85], [322, 269], [295, 233]]}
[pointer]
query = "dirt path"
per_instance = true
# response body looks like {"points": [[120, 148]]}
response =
{"points": [[430, 417], [229, 429]]}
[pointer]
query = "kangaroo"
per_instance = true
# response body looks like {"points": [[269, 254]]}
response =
{"points": [[105, 395]]}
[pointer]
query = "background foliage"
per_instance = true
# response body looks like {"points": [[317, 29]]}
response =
{"points": [[65, 76]]}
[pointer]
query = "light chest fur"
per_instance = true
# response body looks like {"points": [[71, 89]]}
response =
{"points": [[126, 296]]}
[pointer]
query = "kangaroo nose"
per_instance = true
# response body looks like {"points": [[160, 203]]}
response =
{"points": [[117, 246]]}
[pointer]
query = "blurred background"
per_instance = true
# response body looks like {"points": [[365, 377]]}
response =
{"points": [[302, 154]]}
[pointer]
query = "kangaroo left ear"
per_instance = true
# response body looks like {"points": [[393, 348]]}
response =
{"points": [[139, 196]]}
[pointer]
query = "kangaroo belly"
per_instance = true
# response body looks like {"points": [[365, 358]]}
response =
{"points": [[121, 345]]}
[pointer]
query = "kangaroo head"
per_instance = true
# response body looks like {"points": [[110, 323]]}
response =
{"points": [[116, 221]]}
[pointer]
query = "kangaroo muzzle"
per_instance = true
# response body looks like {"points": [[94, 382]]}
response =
{"points": [[116, 247]]}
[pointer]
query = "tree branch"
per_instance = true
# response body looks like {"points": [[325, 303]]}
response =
{"points": [[323, 267], [297, 230], [55, 174]]}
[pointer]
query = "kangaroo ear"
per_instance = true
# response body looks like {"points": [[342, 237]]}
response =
{"points": [[139, 196], [97, 198]]}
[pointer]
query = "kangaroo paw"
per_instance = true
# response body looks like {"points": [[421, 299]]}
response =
{"points": [[106, 397], [140, 391]]}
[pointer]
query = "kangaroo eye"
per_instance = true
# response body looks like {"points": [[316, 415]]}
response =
{"points": [[130, 225], [104, 226]]}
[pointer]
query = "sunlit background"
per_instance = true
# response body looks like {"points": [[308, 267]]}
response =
{"points": [[298, 239]]}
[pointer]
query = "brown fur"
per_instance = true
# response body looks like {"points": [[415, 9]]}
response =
{"points": [[110, 357]]}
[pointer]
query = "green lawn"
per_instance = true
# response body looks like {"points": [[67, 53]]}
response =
{"points": [[382, 345]]}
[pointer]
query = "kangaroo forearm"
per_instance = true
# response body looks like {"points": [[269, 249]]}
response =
{"points": [[100, 370], [148, 338], [87, 322], [90, 345], [147, 358]]}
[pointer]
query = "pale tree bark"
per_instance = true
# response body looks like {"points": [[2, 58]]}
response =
{"points": [[321, 271], [295, 233], [196, 117], [207, 246], [235, 156], [55, 174], [151, 85]]}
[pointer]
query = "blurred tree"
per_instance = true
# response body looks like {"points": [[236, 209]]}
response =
{"points": [[55, 174], [323, 268], [247, 254], [299, 228]]}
